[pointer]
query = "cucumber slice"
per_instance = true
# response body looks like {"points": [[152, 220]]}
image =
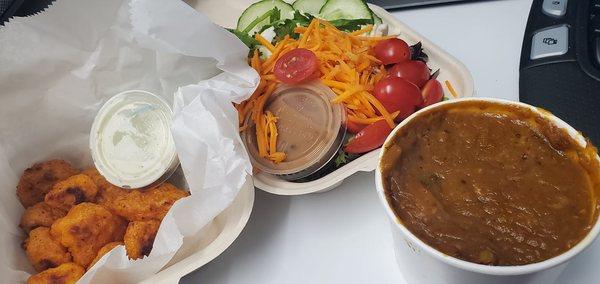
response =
{"points": [[345, 9], [311, 7], [259, 9]]}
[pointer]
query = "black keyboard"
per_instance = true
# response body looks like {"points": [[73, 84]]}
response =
{"points": [[560, 62]]}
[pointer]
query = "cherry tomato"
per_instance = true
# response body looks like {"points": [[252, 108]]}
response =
{"points": [[354, 127], [398, 94], [393, 50], [295, 66], [370, 138], [432, 92], [414, 71]]}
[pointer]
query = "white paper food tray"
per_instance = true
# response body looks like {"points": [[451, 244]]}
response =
{"points": [[226, 12], [211, 241]]}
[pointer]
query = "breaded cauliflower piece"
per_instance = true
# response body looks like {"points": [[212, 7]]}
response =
{"points": [[142, 204], [39, 179], [107, 192], [72, 191], [40, 215], [43, 251], [87, 228], [67, 273], [98, 179], [139, 238], [104, 250]]}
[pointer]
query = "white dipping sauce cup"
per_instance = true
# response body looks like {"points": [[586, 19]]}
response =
{"points": [[423, 264], [131, 142]]}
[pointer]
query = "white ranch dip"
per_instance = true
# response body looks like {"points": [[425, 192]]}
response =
{"points": [[131, 141]]}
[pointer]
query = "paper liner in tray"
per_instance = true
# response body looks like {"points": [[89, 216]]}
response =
{"points": [[56, 70]]}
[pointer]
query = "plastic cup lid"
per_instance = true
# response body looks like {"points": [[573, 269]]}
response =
{"points": [[310, 130], [131, 142]]}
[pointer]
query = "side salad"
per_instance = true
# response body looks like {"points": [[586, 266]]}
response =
{"points": [[378, 78]]}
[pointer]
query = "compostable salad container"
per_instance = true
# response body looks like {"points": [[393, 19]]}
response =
{"points": [[225, 13], [420, 263]]}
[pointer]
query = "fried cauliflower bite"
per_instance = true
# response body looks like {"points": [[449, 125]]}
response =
{"points": [[87, 228], [98, 179], [107, 192], [39, 179], [139, 238], [143, 204], [40, 215], [104, 250], [67, 273], [43, 251], [72, 191]]}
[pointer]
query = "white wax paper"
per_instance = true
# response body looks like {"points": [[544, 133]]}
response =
{"points": [[57, 68]]}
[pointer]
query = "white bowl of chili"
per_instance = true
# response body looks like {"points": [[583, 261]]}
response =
{"points": [[511, 256]]}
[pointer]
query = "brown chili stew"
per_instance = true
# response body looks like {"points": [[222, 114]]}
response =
{"points": [[491, 183]]}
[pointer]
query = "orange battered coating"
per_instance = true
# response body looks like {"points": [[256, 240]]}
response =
{"points": [[40, 215], [139, 238], [107, 192], [39, 179], [67, 273], [87, 228], [142, 204], [98, 179], [72, 191], [43, 251]]}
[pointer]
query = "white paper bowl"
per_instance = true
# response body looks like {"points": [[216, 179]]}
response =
{"points": [[211, 241], [226, 12], [421, 263]]}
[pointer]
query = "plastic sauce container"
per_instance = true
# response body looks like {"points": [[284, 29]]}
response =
{"points": [[310, 128], [131, 142]]}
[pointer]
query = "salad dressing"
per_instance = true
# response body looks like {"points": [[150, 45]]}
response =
{"points": [[310, 128]]}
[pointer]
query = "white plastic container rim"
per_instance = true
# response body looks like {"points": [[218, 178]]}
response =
{"points": [[475, 267]]}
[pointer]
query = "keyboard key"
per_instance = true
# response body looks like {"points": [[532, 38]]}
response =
{"points": [[553, 41], [595, 23], [597, 50], [555, 8]]}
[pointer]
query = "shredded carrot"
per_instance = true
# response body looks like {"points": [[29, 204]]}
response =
{"points": [[362, 31], [335, 84], [361, 120], [349, 92], [346, 64], [451, 89], [264, 42], [331, 73], [270, 77], [377, 104]]}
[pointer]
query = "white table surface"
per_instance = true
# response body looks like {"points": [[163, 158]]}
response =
{"points": [[342, 236]]}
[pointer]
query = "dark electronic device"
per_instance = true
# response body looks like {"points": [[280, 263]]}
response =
{"points": [[560, 62], [21, 8], [399, 4], [8, 9]]}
